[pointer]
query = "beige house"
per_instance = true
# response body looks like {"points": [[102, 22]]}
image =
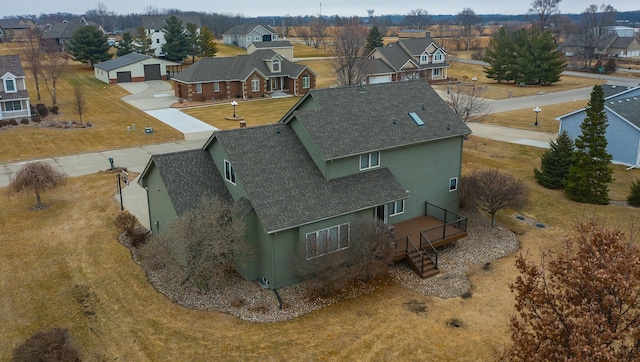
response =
{"points": [[283, 47], [133, 67]]}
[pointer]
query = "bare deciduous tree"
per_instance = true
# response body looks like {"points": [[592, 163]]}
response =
{"points": [[53, 66], [579, 304], [417, 19], [30, 53], [349, 48], [206, 243], [37, 177], [79, 103], [493, 190], [594, 26], [318, 29], [369, 253], [543, 12], [467, 102]]}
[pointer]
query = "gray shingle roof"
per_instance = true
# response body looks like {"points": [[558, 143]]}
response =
{"points": [[285, 186], [11, 64], [398, 54], [612, 89], [157, 21], [272, 44], [236, 68], [13, 24], [353, 120], [627, 108], [189, 176], [415, 46], [244, 29], [122, 61]]}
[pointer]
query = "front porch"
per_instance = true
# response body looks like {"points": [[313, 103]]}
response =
{"points": [[417, 239]]}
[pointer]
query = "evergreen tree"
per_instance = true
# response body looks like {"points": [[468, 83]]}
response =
{"points": [[555, 162], [549, 62], [125, 45], [589, 173], [207, 46], [191, 32], [634, 195], [89, 45], [498, 56], [177, 45], [374, 39], [141, 43]]}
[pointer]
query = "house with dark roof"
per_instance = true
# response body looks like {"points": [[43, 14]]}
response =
{"points": [[244, 34], [133, 67], [282, 47], [622, 107], [338, 155], [254, 75], [414, 58], [14, 97], [57, 37], [608, 45], [15, 29], [153, 25]]}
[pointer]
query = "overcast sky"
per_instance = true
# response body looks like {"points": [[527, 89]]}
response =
{"points": [[251, 8]]}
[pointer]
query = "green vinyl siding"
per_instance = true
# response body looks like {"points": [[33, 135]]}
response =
{"points": [[311, 148], [250, 269], [283, 245], [218, 155], [161, 209]]}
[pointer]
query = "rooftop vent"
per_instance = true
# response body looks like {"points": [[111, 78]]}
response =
{"points": [[416, 118]]}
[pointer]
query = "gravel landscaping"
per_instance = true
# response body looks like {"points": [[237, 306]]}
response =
{"points": [[250, 302]]}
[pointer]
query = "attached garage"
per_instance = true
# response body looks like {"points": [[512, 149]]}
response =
{"points": [[380, 79], [133, 67], [123, 77], [152, 72]]}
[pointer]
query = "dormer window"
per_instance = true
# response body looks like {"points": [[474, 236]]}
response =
{"points": [[438, 57], [424, 58], [10, 85], [275, 65], [369, 160], [229, 173]]}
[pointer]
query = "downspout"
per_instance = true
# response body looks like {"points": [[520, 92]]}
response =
{"points": [[637, 165]]}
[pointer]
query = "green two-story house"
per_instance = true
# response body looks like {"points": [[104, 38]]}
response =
{"points": [[391, 151]]}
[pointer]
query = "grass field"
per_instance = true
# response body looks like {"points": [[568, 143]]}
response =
{"points": [[64, 267]]}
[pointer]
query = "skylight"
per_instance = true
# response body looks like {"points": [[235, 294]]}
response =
{"points": [[416, 118]]}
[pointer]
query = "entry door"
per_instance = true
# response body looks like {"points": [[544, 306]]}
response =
{"points": [[381, 213]]}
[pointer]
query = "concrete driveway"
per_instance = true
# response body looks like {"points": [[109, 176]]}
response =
{"points": [[155, 98]]}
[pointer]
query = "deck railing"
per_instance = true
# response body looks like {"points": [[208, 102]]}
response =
{"points": [[430, 251], [418, 260], [455, 222]]}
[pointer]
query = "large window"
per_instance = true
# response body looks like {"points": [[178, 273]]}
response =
{"points": [[12, 106], [255, 85], [369, 160], [229, 173], [276, 65], [327, 240], [10, 86], [396, 208], [306, 81]]}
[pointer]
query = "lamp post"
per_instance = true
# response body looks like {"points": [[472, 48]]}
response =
{"points": [[474, 80], [537, 110], [234, 104]]}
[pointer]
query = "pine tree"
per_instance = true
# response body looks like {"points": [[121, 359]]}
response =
{"points": [[634, 195], [555, 162], [549, 63], [125, 45], [589, 173], [374, 39], [89, 45], [497, 55], [207, 46], [177, 44]]}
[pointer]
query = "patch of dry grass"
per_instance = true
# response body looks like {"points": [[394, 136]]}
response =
{"points": [[325, 73], [255, 112], [304, 51], [109, 115], [525, 118], [64, 267]]}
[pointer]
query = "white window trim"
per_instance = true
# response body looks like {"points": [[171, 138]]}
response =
{"points": [[306, 81], [455, 181], [435, 72], [326, 230], [273, 65], [229, 172], [13, 102], [274, 37], [438, 57], [216, 87], [15, 84], [424, 58], [393, 209], [254, 82], [257, 38], [198, 87], [369, 166]]}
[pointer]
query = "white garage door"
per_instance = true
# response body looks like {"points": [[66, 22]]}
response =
{"points": [[380, 79]]}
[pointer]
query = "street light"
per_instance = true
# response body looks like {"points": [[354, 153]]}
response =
{"points": [[234, 104], [474, 80], [537, 110]]}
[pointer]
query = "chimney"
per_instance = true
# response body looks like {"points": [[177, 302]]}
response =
{"points": [[243, 124]]}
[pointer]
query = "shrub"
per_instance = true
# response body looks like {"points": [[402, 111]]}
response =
{"points": [[24, 121], [126, 222], [42, 110], [54, 109], [54, 344], [4, 122], [634, 196], [37, 119], [13, 122]]}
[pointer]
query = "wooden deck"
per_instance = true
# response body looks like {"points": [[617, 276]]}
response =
{"points": [[437, 232]]}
